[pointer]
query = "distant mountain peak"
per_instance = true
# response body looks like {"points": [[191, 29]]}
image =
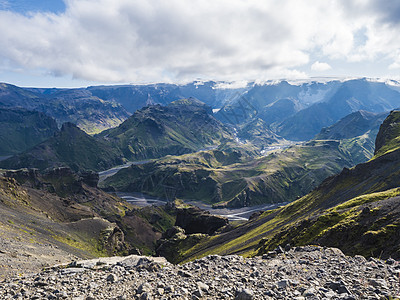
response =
{"points": [[188, 101]]}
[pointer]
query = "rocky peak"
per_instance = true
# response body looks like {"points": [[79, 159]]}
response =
{"points": [[388, 138], [70, 128], [191, 103]]}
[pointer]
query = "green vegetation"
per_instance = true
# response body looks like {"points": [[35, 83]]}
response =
{"points": [[21, 129], [357, 211], [364, 199], [92, 246], [183, 126], [234, 179], [70, 147], [339, 226]]}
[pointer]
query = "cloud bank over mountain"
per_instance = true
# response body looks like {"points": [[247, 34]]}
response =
{"points": [[177, 40]]}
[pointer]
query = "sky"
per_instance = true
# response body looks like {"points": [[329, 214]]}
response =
{"points": [[71, 43]]}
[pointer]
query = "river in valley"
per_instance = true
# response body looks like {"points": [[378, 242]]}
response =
{"points": [[233, 214], [140, 199], [110, 172]]}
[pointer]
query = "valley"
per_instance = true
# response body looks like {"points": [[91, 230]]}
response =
{"points": [[232, 214], [277, 164], [199, 150]]}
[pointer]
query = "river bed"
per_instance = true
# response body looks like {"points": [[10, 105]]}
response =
{"points": [[233, 214], [140, 199], [110, 172]]}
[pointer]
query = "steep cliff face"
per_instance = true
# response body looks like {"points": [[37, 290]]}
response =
{"points": [[195, 220], [388, 138], [192, 226]]}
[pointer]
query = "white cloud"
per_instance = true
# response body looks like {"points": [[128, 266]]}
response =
{"points": [[157, 40], [320, 66], [395, 65]]}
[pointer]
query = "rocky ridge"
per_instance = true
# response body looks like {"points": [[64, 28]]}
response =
{"points": [[78, 106], [308, 272]]}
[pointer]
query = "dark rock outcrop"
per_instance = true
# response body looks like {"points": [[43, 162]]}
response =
{"points": [[192, 225], [90, 178], [24, 175], [196, 220], [113, 240]]}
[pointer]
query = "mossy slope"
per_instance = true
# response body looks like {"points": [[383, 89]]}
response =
{"points": [[69, 147], [21, 129], [357, 210], [60, 208], [388, 138], [181, 127]]}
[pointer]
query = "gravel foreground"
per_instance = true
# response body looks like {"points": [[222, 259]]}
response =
{"points": [[299, 273]]}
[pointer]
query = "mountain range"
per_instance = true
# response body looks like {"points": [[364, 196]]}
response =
{"points": [[356, 210], [298, 112], [181, 127], [252, 174], [318, 104], [330, 149], [90, 113], [235, 179]]}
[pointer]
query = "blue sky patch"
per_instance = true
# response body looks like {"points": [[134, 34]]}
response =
{"points": [[29, 6]]}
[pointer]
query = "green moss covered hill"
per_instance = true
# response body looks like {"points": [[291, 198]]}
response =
{"points": [[22, 129], [357, 210], [182, 126], [70, 147], [357, 133]]}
